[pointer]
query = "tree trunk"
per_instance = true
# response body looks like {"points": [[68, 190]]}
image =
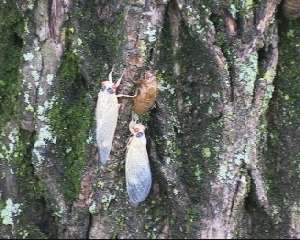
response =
{"points": [[222, 138]]}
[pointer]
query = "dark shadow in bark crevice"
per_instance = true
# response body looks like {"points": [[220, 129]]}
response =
{"points": [[261, 226]]}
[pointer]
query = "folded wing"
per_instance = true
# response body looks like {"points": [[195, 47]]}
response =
{"points": [[106, 118], [138, 174]]}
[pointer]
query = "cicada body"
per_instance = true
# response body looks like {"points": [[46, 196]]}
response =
{"points": [[147, 93], [291, 9], [107, 112], [137, 167]]}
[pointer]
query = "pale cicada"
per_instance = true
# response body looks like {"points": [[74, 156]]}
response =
{"points": [[137, 168]]}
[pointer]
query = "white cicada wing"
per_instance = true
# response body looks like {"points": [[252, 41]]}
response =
{"points": [[138, 173], [106, 118]]}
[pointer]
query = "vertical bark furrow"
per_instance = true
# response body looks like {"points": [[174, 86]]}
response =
{"points": [[40, 67], [282, 153]]}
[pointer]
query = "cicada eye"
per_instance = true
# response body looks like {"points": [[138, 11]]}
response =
{"points": [[110, 90], [139, 134]]}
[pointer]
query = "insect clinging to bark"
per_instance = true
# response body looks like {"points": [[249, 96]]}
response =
{"points": [[107, 112], [137, 167], [291, 9], [147, 93]]}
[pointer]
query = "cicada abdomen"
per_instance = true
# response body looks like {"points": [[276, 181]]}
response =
{"points": [[291, 9], [137, 167]]}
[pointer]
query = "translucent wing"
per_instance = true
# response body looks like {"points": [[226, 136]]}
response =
{"points": [[106, 117], [138, 174]]}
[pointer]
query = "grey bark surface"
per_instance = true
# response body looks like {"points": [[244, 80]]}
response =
{"points": [[221, 138]]}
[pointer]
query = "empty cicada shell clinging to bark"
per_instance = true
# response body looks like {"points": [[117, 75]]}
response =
{"points": [[147, 93]]}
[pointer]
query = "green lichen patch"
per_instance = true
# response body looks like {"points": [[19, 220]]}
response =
{"points": [[15, 151], [31, 187], [29, 232], [156, 215], [10, 211], [242, 8], [30, 208]]}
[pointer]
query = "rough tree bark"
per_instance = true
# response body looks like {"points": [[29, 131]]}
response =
{"points": [[222, 138]]}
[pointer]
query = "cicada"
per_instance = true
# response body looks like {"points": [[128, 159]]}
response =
{"points": [[147, 93], [107, 112], [137, 167]]}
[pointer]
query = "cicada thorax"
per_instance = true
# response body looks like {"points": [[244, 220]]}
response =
{"points": [[108, 87], [147, 93], [291, 8]]}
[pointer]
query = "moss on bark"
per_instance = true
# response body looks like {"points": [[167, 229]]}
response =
{"points": [[283, 159], [70, 119], [11, 43]]}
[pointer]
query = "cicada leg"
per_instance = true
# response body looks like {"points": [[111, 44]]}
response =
{"points": [[110, 74], [122, 95], [119, 80]]}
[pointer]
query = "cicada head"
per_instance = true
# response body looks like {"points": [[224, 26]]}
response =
{"points": [[108, 87], [137, 129]]}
